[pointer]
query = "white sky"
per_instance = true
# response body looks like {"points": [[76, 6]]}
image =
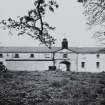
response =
{"points": [[68, 19]]}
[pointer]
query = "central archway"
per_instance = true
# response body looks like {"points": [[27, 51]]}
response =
{"points": [[66, 64]]}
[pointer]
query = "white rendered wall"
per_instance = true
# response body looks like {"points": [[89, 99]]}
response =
{"points": [[27, 56], [72, 58], [90, 62], [28, 65], [25, 62], [89, 59]]}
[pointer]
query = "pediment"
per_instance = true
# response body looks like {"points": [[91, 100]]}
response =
{"points": [[65, 51]]}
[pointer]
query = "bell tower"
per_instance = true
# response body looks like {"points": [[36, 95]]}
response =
{"points": [[64, 44]]}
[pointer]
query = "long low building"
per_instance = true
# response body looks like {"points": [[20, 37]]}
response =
{"points": [[79, 59]]}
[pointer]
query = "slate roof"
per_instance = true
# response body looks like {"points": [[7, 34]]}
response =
{"points": [[27, 49], [53, 49]]}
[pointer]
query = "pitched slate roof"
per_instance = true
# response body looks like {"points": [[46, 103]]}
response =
{"points": [[87, 49], [27, 49], [53, 49]]}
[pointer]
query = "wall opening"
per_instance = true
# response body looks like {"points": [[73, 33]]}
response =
{"points": [[65, 65], [97, 64], [83, 64], [1, 63], [1, 55], [16, 55]]}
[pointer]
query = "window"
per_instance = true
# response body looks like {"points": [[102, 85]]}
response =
{"points": [[1, 55], [98, 55], [83, 64], [31, 55], [16, 55], [97, 64], [64, 55], [1, 63], [7, 54], [47, 55]]}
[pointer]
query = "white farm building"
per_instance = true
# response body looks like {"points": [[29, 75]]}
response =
{"points": [[85, 59]]}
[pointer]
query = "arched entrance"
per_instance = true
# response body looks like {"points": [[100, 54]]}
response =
{"points": [[65, 65]]}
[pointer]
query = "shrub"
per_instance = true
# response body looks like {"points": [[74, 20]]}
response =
{"points": [[64, 82], [3, 68], [55, 84]]}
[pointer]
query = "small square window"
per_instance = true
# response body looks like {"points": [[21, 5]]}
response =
{"points": [[7, 54], [16, 55], [1, 63], [65, 55], [83, 64], [31, 55], [1, 55]]}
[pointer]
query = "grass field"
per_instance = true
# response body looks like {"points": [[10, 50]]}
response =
{"points": [[52, 88]]}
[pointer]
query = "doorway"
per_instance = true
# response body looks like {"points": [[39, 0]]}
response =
{"points": [[65, 65]]}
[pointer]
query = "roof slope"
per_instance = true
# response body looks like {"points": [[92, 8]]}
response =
{"points": [[53, 49], [28, 49]]}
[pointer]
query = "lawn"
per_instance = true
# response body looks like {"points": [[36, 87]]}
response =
{"points": [[52, 88]]}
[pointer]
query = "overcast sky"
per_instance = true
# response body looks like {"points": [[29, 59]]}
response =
{"points": [[68, 19]]}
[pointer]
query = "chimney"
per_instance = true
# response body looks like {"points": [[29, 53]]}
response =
{"points": [[64, 44]]}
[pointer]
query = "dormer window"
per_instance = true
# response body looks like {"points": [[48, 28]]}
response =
{"points": [[16, 55], [65, 55], [1, 55], [31, 55]]}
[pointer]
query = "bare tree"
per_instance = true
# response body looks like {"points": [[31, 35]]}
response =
{"points": [[33, 23], [94, 11]]}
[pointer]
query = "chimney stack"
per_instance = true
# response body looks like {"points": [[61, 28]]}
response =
{"points": [[64, 44]]}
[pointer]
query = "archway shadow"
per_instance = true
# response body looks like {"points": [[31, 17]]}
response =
{"points": [[67, 63]]}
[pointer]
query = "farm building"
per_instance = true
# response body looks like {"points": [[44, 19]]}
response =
{"points": [[79, 59]]}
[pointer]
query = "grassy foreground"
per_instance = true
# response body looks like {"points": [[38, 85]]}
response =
{"points": [[52, 88]]}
